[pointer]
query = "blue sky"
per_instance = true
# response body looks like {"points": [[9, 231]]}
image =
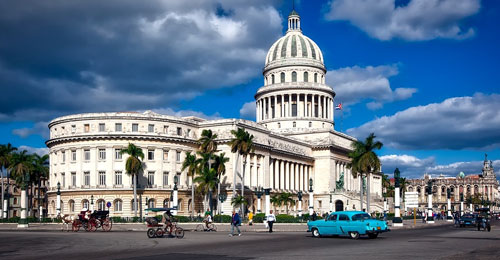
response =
{"points": [[421, 74]]}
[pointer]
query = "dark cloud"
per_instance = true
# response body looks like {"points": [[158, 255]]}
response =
{"points": [[63, 57]]}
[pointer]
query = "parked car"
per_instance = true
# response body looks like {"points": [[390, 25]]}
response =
{"points": [[347, 223], [467, 220]]}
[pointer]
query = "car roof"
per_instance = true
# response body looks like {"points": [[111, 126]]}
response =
{"points": [[349, 213]]}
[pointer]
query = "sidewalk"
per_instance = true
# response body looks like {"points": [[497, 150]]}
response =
{"points": [[221, 227]]}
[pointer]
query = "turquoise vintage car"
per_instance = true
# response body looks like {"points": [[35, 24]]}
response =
{"points": [[348, 223]]}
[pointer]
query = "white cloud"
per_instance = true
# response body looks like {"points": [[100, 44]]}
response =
{"points": [[356, 84], [456, 123], [248, 110], [39, 128], [183, 113], [416, 21], [40, 151]]}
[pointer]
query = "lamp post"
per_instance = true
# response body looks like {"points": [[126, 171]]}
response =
{"points": [[311, 197], [397, 221], [267, 193], [147, 207], [176, 201], [430, 218], [23, 222], [461, 204], [259, 193], [58, 199], [222, 198], [92, 203], [299, 196], [449, 218], [331, 203]]}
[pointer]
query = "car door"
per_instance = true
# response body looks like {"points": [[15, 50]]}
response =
{"points": [[343, 224], [331, 225]]}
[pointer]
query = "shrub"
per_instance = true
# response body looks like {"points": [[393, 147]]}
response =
{"points": [[283, 218], [223, 218], [182, 219], [259, 218]]}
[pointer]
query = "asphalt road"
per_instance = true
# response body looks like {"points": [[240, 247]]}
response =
{"points": [[445, 242]]}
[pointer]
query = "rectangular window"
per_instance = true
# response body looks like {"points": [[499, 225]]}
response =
{"points": [[135, 127], [63, 180], [179, 131], [151, 128], [86, 156], [86, 178], [73, 129], [178, 156], [73, 179], [151, 155], [165, 178], [188, 132], [102, 178], [118, 127], [73, 156], [102, 154], [63, 156], [118, 178], [86, 128], [118, 154], [165, 155], [102, 127], [151, 178], [294, 109], [165, 129]]}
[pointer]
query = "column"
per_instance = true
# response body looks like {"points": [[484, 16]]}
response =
{"points": [[266, 171], [276, 174], [301, 177], [271, 174], [313, 106], [282, 175], [267, 193], [397, 221]]}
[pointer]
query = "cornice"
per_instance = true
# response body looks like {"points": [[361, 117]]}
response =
{"points": [[294, 86], [78, 138]]}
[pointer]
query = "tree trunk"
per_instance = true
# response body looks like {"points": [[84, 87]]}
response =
{"points": [[39, 204], [192, 196], [134, 183], [368, 192], [361, 191], [234, 174], [243, 185], [2, 195]]}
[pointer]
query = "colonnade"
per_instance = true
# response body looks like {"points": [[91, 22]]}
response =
{"points": [[292, 176], [466, 189], [349, 182], [295, 105]]}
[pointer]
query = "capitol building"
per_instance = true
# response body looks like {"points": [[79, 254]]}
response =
{"points": [[295, 140]]}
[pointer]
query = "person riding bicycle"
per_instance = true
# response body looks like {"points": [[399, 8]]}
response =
{"points": [[168, 218], [208, 218]]}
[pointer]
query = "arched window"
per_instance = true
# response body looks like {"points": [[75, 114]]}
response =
{"points": [[62, 207], [179, 205], [315, 77], [294, 124], [151, 203], [310, 124], [53, 207], [71, 204], [117, 205], [85, 204], [279, 125], [166, 203], [306, 76], [272, 79], [189, 205], [101, 204], [282, 77], [294, 76]]}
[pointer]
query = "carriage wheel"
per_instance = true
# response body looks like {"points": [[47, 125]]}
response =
{"points": [[179, 233], [76, 226], [159, 232], [200, 228], [212, 227], [86, 226], [106, 225], [151, 233]]}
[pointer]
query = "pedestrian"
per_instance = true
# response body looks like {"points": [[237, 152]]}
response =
{"points": [[270, 219], [313, 217], [235, 222], [250, 218]]}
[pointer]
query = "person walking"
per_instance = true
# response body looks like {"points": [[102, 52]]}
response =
{"points": [[271, 218], [250, 218], [235, 222]]}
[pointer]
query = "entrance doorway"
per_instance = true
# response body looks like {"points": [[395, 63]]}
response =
{"points": [[339, 205]]}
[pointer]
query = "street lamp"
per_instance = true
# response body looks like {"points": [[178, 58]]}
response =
{"points": [[58, 199], [311, 197], [449, 218], [175, 195], [92, 203], [397, 220], [258, 193], [299, 196]]}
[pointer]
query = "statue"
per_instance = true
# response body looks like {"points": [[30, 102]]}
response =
{"points": [[340, 183], [397, 177]]}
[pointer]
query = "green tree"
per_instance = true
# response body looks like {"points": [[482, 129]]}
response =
{"points": [[403, 184], [20, 170], [220, 169], [40, 172], [386, 185], [191, 164], [207, 143], [241, 143], [6, 151], [239, 201], [207, 181], [287, 200], [364, 160], [133, 166], [276, 201]]}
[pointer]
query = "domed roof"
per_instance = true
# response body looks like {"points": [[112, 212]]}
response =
{"points": [[294, 45]]}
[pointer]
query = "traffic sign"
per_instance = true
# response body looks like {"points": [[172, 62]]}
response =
{"points": [[411, 199], [108, 204]]}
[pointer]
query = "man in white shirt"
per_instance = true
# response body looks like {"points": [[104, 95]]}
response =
{"points": [[270, 220]]}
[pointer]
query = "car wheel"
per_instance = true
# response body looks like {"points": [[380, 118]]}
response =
{"points": [[354, 235], [315, 232], [373, 236]]}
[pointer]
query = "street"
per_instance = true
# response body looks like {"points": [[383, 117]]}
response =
{"points": [[441, 242]]}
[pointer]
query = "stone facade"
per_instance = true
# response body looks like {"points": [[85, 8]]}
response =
{"points": [[294, 138]]}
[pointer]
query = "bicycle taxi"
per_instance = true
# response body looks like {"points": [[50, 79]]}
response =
{"points": [[156, 227]]}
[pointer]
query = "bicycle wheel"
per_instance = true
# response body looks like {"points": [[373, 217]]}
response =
{"points": [[179, 232], [159, 232], [212, 227], [151, 233], [200, 228], [107, 225]]}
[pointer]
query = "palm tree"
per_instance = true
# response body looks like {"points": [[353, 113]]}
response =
{"points": [[191, 164], [287, 200], [386, 185], [20, 169], [207, 181], [365, 161], [133, 166], [403, 184], [242, 143], [239, 201], [5, 161], [40, 172], [220, 169], [276, 201], [207, 141]]}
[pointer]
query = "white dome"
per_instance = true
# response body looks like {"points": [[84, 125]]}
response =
{"points": [[294, 45]]}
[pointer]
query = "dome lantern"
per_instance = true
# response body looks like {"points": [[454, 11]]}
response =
{"points": [[294, 21]]}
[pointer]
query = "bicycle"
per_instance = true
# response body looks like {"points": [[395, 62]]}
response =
{"points": [[203, 227]]}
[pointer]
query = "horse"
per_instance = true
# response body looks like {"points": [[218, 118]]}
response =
{"points": [[67, 221]]}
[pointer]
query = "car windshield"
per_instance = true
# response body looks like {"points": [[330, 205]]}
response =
{"points": [[364, 216]]}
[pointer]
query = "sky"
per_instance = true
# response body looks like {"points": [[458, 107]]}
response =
{"points": [[420, 74]]}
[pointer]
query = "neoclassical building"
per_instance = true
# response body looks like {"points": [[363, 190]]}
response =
{"points": [[485, 184], [295, 140]]}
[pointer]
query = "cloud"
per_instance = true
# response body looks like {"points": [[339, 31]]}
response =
{"points": [[356, 84], [456, 123], [248, 110], [40, 151], [413, 167], [39, 128], [184, 113], [418, 20], [94, 56]]}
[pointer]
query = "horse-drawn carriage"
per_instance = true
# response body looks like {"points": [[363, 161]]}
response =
{"points": [[92, 221]]}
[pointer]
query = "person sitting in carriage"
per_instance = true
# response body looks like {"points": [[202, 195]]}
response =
{"points": [[168, 219]]}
